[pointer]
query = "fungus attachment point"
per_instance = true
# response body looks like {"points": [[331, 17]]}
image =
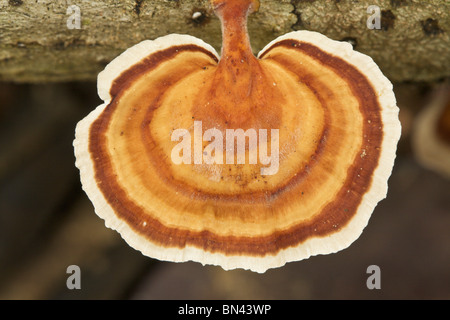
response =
{"points": [[237, 97], [243, 161]]}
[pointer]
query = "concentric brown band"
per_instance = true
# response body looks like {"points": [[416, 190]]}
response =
{"points": [[333, 217]]}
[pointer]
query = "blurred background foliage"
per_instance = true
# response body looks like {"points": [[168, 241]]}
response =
{"points": [[47, 222]]}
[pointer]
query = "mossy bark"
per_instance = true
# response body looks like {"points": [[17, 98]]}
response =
{"points": [[36, 44]]}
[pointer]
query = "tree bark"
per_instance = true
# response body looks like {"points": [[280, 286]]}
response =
{"points": [[36, 44]]}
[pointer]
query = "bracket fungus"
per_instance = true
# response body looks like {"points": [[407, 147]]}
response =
{"points": [[431, 134], [165, 158]]}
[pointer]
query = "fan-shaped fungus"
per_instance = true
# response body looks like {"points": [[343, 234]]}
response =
{"points": [[431, 134], [322, 127]]}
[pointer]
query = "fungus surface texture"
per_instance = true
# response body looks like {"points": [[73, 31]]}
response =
{"points": [[241, 161]]}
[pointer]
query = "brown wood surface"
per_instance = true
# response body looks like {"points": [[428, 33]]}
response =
{"points": [[36, 45]]}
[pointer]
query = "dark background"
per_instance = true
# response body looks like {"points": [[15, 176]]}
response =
{"points": [[47, 222]]}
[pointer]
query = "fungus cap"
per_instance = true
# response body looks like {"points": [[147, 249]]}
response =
{"points": [[328, 117]]}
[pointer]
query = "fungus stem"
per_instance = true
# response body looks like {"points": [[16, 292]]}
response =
{"points": [[233, 14]]}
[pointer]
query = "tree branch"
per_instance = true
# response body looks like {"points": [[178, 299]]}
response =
{"points": [[36, 44]]}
